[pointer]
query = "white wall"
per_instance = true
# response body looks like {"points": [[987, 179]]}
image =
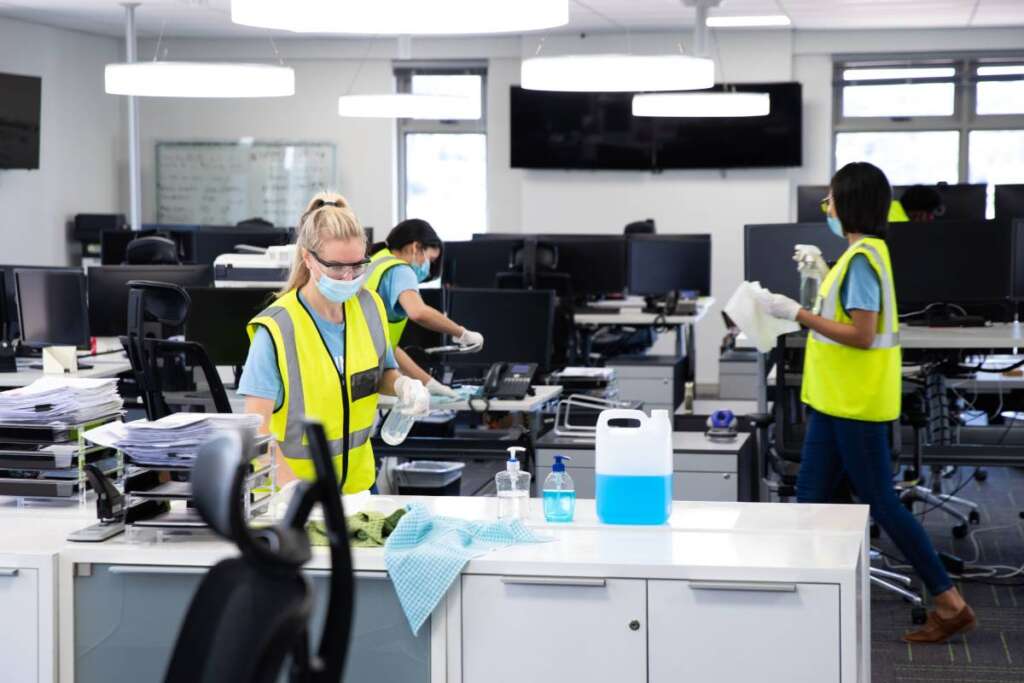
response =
{"points": [[554, 201], [80, 146]]}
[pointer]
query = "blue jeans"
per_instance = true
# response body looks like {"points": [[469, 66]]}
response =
{"points": [[835, 446]]}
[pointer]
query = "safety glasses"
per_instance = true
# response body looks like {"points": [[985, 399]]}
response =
{"points": [[342, 271]]}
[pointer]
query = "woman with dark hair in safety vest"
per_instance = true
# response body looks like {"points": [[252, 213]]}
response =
{"points": [[321, 350], [398, 266], [852, 385]]}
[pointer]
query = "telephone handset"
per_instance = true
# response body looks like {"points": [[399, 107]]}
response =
{"points": [[509, 380]]}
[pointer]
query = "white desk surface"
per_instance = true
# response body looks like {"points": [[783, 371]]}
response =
{"points": [[636, 316], [542, 394], [999, 335], [110, 365], [701, 540]]}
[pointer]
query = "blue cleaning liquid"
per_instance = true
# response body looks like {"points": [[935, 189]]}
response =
{"points": [[624, 499], [559, 506]]}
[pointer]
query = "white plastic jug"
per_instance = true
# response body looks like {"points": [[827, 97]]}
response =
{"points": [[634, 467]]}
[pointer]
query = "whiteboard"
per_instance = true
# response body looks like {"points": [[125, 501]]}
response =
{"points": [[222, 183]]}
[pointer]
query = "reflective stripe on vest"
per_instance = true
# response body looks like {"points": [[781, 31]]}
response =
{"points": [[381, 263], [364, 318], [845, 381]]}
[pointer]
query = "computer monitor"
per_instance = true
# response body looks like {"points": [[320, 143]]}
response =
{"points": [[1009, 202], [51, 307], [808, 203], [516, 325], [10, 291], [211, 242], [114, 243], [956, 262], [768, 253], [477, 263], [1018, 259], [596, 264], [218, 317], [659, 264], [108, 291]]}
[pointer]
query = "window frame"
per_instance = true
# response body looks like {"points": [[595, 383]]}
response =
{"points": [[404, 70], [964, 118]]}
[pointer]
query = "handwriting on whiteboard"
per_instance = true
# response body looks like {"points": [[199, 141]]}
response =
{"points": [[222, 183]]}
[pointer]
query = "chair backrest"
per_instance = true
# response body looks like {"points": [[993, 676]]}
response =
{"points": [[153, 250], [166, 304], [250, 612]]}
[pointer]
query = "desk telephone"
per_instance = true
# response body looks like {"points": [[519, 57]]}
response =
{"points": [[509, 380]]}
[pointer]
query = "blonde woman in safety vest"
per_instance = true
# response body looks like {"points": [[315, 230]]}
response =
{"points": [[397, 268], [321, 350], [852, 385]]}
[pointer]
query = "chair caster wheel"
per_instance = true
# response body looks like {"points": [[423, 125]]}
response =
{"points": [[960, 531], [980, 475], [974, 517], [918, 615]]}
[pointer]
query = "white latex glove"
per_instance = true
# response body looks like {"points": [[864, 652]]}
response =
{"points": [[437, 389], [778, 305], [810, 260], [413, 397], [470, 340]]}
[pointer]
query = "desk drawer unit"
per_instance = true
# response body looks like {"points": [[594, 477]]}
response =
{"points": [[709, 631], [20, 609], [553, 630], [127, 619]]}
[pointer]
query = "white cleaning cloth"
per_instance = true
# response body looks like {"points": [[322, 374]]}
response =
{"points": [[753, 320]]}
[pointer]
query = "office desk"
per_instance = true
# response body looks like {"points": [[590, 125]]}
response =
{"points": [[110, 365], [996, 336], [597, 603], [542, 394]]}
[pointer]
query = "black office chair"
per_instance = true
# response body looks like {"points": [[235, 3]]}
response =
{"points": [[152, 250], [166, 304], [252, 611], [644, 227]]}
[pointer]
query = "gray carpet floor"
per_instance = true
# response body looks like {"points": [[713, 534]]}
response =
{"points": [[994, 653]]}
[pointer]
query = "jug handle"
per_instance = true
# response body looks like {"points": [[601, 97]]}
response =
{"points": [[621, 414]]}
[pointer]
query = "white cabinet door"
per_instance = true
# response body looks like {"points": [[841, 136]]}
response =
{"points": [[553, 630], [716, 487], [711, 632], [19, 624]]}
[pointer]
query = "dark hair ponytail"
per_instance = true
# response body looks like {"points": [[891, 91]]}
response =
{"points": [[413, 230]]}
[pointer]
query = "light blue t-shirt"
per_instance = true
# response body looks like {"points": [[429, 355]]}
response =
{"points": [[396, 280], [861, 289], [262, 378]]}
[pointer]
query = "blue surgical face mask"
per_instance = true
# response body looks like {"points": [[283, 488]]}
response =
{"points": [[339, 291], [422, 270], [834, 225]]}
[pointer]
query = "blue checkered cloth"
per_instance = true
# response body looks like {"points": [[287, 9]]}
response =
{"points": [[425, 554]]}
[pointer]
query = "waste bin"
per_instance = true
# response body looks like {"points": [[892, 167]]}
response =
{"points": [[429, 478]]}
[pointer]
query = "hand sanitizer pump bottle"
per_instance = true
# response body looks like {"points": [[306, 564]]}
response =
{"points": [[559, 493], [513, 487]]}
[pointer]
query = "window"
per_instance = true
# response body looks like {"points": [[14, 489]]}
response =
{"points": [[442, 164], [935, 119]]}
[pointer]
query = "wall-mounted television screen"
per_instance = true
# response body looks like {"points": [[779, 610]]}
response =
{"points": [[19, 121], [598, 131]]}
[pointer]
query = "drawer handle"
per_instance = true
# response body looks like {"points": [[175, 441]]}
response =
{"points": [[746, 587], [8, 571], [371, 576], [142, 569], [551, 581]]}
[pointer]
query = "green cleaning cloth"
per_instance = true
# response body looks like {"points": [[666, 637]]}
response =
{"points": [[365, 529]]}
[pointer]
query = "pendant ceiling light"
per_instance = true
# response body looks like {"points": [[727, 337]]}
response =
{"points": [[703, 104], [407, 106], [401, 17], [199, 79], [617, 73]]}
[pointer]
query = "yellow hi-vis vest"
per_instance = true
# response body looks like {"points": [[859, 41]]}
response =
{"points": [[380, 263], [315, 389], [897, 214], [843, 381]]}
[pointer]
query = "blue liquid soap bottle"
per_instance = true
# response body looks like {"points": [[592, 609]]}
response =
{"points": [[559, 493]]}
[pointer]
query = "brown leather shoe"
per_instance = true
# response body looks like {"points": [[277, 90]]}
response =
{"points": [[939, 630]]}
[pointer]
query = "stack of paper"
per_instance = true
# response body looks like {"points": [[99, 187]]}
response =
{"points": [[174, 441], [67, 400]]}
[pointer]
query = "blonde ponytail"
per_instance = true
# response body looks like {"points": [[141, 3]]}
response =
{"points": [[327, 216]]}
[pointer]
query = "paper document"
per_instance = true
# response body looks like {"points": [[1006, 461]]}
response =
{"points": [[753, 320], [67, 400]]}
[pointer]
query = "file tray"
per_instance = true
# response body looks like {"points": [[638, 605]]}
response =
{"points": [[52, 433]]}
